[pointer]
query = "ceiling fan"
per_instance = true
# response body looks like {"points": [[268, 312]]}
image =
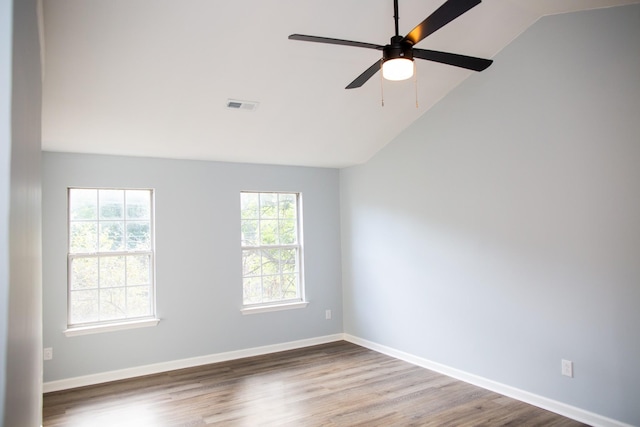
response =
{"points": [[398, 55]]}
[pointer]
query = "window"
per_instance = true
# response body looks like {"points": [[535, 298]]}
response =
{"points": [[271, 248], [111, 256]]}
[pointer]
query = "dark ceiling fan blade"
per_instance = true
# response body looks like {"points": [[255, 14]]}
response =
{"points": [[328, 40], [446, 13], [462, 61], [362, 78]]}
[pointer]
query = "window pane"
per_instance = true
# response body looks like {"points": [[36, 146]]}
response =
{"points": [[251, 263], [84, 273], [138, 204], [249, 232], [83, 237], [83, 204], [139, 235], [268, 205], [270, 261], [269, 232], [111, 204], [112, 304], [288, 258], [289, 286], [112, 271], [111, 236], [252, 290], [287, 206], [138, 270], [288, 232], [249, 205], [271, 288], [138, 301], [84, 306]]}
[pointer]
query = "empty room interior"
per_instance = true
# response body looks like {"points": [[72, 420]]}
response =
{"points": [[241, 193]]}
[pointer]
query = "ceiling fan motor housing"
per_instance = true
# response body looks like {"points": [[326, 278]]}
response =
{"points": [[397, 49]]}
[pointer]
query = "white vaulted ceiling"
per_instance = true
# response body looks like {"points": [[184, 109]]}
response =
{"points": [[152, 77]]}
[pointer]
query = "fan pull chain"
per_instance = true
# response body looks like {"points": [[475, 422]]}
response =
{"points": [[415, 79], [381, 86]]}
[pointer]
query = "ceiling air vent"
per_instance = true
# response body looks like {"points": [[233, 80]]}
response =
{"points": [[234, 104]]}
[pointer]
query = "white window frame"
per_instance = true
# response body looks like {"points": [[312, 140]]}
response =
{"points": [[74, 329], [300, 301]]}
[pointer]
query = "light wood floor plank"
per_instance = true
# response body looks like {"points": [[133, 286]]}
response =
{"points": [[336, 384]]}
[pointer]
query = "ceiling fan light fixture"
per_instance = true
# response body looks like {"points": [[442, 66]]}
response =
{"points": [[397, 69], [398, 55]]}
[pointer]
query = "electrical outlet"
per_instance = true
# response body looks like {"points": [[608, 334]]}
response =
{"points": [[47, 353], [567, 368], [327, 314]]}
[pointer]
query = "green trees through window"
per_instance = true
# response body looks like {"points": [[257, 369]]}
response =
{"points": [[110, 255], [271, 247]]}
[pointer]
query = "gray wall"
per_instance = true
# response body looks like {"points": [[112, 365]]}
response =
{"points": [[199, 285], [5, 182], [20, 235], [500, 232]]}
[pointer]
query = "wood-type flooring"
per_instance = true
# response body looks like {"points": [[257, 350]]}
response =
{"points": [[335, 384]]}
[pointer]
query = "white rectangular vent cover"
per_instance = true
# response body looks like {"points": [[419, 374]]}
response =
{"points": [[234, 104]]}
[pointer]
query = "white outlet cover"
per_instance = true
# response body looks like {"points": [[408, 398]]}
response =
{"points": [[567, 368]]}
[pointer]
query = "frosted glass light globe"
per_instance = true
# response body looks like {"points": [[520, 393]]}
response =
{"points": [[397, 69]]}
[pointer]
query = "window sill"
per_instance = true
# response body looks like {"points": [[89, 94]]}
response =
{"points": [[275, 307], [98, 329]]}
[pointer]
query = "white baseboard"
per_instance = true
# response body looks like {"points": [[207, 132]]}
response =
{"points": [[156, 368], [515, 393]]}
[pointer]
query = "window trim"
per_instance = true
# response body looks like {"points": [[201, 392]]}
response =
{"points": [[265, 308], [75, 329], [300, 301], [115, 326]]}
